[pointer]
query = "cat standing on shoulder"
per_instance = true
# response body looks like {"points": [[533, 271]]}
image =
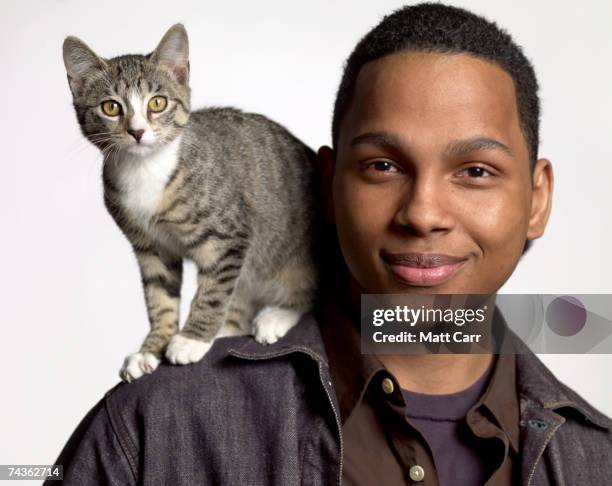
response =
{"points": [[234, 192]]}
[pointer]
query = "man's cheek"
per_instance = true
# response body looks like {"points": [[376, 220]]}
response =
{"points": [[501, 236], [352, 215], [497, 219]]}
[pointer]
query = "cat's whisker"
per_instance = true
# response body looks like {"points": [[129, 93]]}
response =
{"points": [[110, 152]]}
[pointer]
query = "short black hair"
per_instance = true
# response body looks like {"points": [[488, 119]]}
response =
{"points": [[438, 28]]}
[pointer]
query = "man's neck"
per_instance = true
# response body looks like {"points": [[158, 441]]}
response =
{"points": [[436, 374], [432, 374]]}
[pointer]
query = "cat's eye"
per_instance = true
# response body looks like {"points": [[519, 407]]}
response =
{"points": [[111, 108], [158, 104]]}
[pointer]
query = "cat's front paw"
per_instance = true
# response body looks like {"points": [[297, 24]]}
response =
{"points": [[183, 350], [137, 364], [272, 323]]}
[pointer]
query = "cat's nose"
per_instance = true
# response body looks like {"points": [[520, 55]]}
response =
{"points": [[137, 134]]}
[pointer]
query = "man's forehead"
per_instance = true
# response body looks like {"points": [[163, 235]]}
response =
{"points": [[444, 96]]}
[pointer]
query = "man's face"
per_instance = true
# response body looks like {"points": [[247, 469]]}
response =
{"points": [[430, 186]]}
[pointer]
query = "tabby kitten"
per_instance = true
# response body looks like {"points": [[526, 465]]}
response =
{"points": [[234, 192]]}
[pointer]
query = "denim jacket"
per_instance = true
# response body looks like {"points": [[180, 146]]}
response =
{"points": [[249, 414]]}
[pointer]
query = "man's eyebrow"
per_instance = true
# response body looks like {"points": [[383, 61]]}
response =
{"points": [[461, 148], [456, 148], [380, 139]]}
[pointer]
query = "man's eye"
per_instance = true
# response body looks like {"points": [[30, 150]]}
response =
{"points": [[475, 172], [382, 166]]}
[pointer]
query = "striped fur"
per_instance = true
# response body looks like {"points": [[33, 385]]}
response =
{"points": [[233, 192]]}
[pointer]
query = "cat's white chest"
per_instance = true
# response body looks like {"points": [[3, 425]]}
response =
{"points": [[142, 180]]}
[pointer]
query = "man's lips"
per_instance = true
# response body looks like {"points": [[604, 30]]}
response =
{"points": [[423, 269]]}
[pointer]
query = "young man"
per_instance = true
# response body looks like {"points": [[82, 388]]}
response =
{"points": [[434, 186]]}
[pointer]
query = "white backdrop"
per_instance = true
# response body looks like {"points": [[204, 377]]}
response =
{"points": [[72, 305]]}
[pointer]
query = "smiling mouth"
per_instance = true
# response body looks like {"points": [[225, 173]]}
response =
{"points": [[423, 269]]}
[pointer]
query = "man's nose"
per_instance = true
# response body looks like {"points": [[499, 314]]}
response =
{"points": [[137, 134], [424, 208]]}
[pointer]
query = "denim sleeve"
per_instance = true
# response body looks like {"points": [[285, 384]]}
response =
{"points": [[94, 454]]}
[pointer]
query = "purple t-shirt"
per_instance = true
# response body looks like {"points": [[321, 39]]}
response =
{"points": [[441, 421]]}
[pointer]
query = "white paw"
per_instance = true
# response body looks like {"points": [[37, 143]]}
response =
{"points": [[182, 350], [137, 364], [272, 323]]}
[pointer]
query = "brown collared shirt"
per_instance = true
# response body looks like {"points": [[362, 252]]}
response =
{"points": [[382, 443]]}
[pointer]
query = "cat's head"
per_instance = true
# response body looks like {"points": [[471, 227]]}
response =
{"points": [[131, 103]]}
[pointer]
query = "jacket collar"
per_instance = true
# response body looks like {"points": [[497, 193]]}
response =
{"points": [[304, 338], [537, 386]]}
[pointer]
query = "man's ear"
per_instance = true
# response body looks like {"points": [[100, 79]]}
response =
{"points": [[327, 163], [80, 62], [172, 52], [541, 198]]}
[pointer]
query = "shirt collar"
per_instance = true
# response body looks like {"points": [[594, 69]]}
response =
{"points": [[501, 398], [352, 371]]}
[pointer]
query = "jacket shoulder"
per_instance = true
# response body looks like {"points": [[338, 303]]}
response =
{"points": [[170, 384], [94, 453], [537, 385], [200, 395]]}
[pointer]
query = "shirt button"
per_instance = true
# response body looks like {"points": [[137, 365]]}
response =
{"points": [[387, 386], [417, 473]]}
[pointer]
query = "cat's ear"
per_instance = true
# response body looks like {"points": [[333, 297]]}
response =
{"points": [[172, 52], [80, 62]]}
